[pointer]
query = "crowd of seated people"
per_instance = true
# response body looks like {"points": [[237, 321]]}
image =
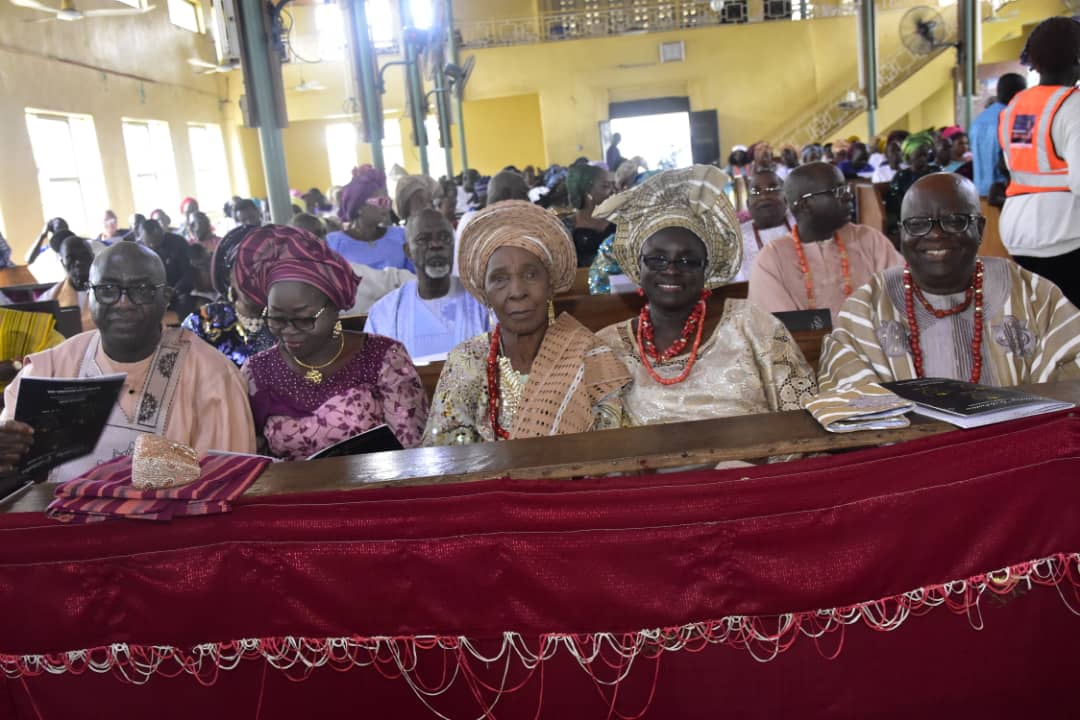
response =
{"points": [[468, 270]]}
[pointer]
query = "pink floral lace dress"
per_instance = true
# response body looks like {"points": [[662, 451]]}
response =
{"points": [[377, 386]]}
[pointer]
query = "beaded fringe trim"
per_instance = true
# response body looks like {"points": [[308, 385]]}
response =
{"points": [[607, 657]]}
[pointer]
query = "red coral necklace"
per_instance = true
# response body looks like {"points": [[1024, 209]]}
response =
{"points": [[808, 281], [973, 292], [646, 341]]}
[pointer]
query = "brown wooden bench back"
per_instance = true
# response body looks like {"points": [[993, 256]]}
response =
{"points": [[596, 312]]}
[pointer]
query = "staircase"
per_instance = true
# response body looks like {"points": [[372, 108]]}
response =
{"points": [[836, 118]]}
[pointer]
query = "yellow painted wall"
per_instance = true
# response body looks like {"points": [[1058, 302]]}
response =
{"points": [[574, 81], [504, 131], [98, 67], [479, 10]]}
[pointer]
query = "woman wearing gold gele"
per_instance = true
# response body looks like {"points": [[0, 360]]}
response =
{"points": [[677, 236]]}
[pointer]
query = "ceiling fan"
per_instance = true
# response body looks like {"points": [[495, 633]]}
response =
{"points": [[69, 13], [209, 68]]}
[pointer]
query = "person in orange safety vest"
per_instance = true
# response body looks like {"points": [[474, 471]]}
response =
{"points": [[1040, 140]]}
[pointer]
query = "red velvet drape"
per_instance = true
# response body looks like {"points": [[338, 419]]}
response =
{"points": [[611, 555]]}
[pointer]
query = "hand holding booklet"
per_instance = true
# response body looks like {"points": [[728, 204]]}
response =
{"points": [[68, 416]]}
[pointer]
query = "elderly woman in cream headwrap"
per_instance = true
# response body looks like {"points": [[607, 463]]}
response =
{"points": [[533, 375], [414, 193], [677, 236]]}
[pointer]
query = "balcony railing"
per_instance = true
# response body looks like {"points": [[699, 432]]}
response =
{"points": [[654, 17]]}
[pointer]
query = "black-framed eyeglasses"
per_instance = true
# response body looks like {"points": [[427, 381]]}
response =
{"points": [[110, 293], [771, 190], [303, 324], [955, 223], [660, 263], [839, 192]]}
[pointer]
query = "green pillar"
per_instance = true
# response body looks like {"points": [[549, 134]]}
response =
{"points": [[868, 62], [259, 69], [459, 115], [969, 18], [359, 40], [442, 106], [414, 84]]}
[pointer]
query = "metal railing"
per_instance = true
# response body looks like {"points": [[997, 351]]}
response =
{"points": [[648, 18], [821, 123]]}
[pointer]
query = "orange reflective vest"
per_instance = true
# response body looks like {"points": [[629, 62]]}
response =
{"points": [[1024, 133]]}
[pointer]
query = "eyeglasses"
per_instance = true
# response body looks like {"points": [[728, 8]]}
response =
{"points": [[771, 190], [660, 263], [380, 202], [839, 192], [303, 324], [110, 294], [954, 223]]}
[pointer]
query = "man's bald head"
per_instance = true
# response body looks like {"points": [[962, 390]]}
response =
{"points": [[810, 178], [940, 232], [940, 193], [818, 197], [430, 244], [128, 260], [128, 300]]}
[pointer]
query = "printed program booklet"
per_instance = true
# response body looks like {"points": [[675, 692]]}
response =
{"points": [[68, 416], [969, 405], [377, 439]]}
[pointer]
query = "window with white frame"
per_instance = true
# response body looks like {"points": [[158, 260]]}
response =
{"points": [[380, 19], [69, 173], [341, 142], [330, 28], [186, 14], [151, 164], [211, 167]]}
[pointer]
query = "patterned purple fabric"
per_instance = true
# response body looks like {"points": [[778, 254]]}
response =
{"points": [[378, 385], [106, 491], [366, 181], [274, 253]]}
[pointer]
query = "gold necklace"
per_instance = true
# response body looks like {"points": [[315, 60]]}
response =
{"points": [[314, 372]]}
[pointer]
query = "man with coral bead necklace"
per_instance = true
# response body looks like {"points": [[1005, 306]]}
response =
{"points": [[949, 313]]}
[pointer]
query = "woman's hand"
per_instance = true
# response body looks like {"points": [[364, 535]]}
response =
{"points": [[15, 441]]}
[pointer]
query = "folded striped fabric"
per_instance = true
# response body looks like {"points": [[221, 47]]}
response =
{"points": [[864, 407], [106, 492]]}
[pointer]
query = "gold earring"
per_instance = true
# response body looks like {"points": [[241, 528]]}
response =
{"points": [[551, 312], [338, 329]]}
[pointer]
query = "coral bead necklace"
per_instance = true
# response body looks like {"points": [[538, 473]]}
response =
{"points": [[493, 385], [646, 341], [808, 280], [974, 293]]}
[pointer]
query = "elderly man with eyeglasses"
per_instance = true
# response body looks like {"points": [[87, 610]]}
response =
{"points": [[769, 218], [177, 385], [826, 257], [949, 313]]}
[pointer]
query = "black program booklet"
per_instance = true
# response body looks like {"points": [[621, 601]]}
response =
{"points": [[969, 405], [377, 439], [68, 416]]}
